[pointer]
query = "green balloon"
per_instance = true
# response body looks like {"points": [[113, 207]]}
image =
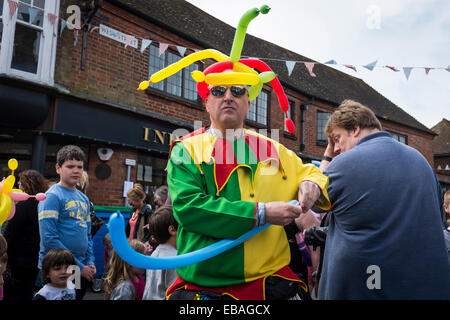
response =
{"points": [[241, 29]]}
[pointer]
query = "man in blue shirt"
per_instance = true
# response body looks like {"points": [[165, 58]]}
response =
{"points": [[385, 237], [64, 217]]}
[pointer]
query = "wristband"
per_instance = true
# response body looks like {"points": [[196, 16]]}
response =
{"points": [[327, 158]]}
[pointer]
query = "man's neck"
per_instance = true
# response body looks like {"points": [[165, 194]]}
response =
{"points": [[228, 134]]}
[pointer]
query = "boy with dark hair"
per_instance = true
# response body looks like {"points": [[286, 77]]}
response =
{"points": [[163, 228], [64, 217], [55, 273]]}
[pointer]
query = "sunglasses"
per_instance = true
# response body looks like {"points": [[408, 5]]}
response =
{"points": [[236, 91]]}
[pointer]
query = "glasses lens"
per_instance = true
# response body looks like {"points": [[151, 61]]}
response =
{"points": [[218, 91], [238, 91]]}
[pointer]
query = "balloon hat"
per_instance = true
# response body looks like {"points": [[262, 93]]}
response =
{"points": [[8, 195], [243, 70]]}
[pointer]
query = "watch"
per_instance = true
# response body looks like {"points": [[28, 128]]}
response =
{"points": [[327, 158]]}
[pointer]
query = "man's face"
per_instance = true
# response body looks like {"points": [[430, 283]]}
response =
{"points": [[227, 111], [70, 172], [343, 139]]}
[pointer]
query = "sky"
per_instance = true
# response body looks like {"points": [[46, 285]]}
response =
{"points": [[400, 33]]}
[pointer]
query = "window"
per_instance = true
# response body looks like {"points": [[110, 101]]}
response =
{"points": [[399, 137], [290, 114], [180, 84], [28, 40], [258, 109], [322, 118]]}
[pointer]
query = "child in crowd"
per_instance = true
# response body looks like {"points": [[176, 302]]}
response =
{"points": [[54, 273], [3, 261], [107, 252], [123, 281], [163, 228]]}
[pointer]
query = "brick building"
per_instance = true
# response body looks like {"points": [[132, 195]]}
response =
{"points": [[441, 152], [59, 87]]}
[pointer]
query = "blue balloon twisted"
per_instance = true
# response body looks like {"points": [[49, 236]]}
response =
{"points": [[128, 254]]}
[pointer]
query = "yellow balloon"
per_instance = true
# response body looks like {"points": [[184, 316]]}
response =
{"points": [[183, 63], [237, 78], [13, 164], [5, 207], [8, 184], [198, 76], [240, 67], [143, 85]]}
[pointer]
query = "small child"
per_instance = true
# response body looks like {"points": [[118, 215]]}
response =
{"points": [[54, 272], [163, 227], [107, 251], [124, 281], [3, 261]]}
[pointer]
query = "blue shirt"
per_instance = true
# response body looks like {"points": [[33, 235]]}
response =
{"points": [[65, 222], [385, 237]]}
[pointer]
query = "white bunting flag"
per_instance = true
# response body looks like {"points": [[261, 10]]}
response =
{"points": [[371, 65], [33, 12], [145, 44], [407, 71], [181, 50], [290, 66]]}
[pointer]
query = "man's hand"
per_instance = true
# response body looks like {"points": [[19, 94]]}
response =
{"points": [[308, 194], [89, 272], [281, 213]]}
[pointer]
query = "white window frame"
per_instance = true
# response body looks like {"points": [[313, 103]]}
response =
{"points": [[47, 51]]}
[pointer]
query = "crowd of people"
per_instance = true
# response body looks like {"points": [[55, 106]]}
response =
{"points": [[370, 223]]}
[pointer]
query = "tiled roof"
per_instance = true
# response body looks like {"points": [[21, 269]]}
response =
{"points": [[441, 143], [330, 85]]}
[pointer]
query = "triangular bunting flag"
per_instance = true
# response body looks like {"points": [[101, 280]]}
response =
{"points": [[439, 167], [446, 167], [392, 68], [51, 18], [162, 48], [427, 70], [145, 43], [32, 14], [331, 62], [63, 25], [12, 8], [290, 66], [407, 71], [310, 66], [371, 65], [128, 39], [448, 68], [350, 67], [181, 50]]}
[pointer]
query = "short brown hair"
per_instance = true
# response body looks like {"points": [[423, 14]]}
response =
{"points": [[33, 182], [69, 152], [159, 224], [351, 114], [54, 258]]}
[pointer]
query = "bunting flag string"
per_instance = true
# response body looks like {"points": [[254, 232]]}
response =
{"points": [[163, 46]]}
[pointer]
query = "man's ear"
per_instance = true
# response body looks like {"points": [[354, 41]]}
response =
{"points": [[58, 169], [356, 131]]}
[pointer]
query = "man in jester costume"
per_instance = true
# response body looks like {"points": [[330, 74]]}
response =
{"points": [[224, 180]]}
